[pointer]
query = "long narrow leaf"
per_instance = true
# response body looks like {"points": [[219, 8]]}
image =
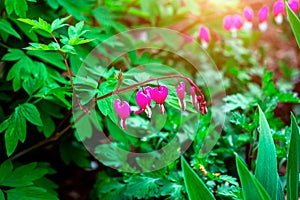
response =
{"points": [[251, 187], [280, 195], [266, 163], [293, 162], [196, 189], [295, 23]]}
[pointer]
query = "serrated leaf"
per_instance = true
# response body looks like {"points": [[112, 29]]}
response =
{"points": [[58, 23], [266, 163], [40, 24], [31, 113], [195, 187], [6, 27], [20, 124], [251, 187], [295, 23], [293, 162]]}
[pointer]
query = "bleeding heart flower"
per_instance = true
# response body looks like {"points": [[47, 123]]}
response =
{"points": [[201, 105], [278, 11], [204, 35], [228, 22], [143, 99], [237, 21], [180, 90], [249, 15], [193, 96], [294, 5], [263, 15], [123, 110], [159, 95]]}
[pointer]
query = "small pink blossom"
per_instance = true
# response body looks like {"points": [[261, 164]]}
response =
{"points": [[123, 110], [228, 22], [248, 14], [204, 35], [278, 8], [143, 99], [237, 21], [263, 14], [193, 96], [294, 5], [159, 95], [180, 90]]}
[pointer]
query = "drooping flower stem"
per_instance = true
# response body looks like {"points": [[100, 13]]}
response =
{"points": [[135, 86]]}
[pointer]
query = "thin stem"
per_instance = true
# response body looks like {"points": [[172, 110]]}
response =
{"points": [[66, 63], [134, 86]]}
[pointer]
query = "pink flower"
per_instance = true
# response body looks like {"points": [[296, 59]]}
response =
{"points": [[278, 8], [294, 5], [227, 22], [180, 90], [248, 14], [237, 21], [193, 96], [201, 106], [123, 110], [204, 35], [263, 15], [143, 99], [278, 11], [159, 95]]}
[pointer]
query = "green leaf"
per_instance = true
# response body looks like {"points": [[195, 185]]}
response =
{"points": [[4, 125], [19, 6], [6, 169], [195, 187], [20, 124], [295, 23], [152, 8], [40, 24], [293, 162], [6, 27], [280, 194], [13, 54], [266, 164], [58, 23], [30, 193], [1, 195], [251, 187], [32, 114], [11, 141], [38, 46], [53, 58], [236, 101]]}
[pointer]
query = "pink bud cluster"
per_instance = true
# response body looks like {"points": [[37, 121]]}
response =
{"points": [[158, 95]]}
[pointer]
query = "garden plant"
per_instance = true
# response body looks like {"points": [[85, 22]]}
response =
{"points": [[145, 99]]}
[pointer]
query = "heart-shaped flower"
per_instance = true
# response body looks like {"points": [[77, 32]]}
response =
{"points": [[204, 36], [143, 99], [193, 96], [294, 5], [248, 14], [123, 110], [278, 11], [180, 90], [263, 15], [159, 95]]}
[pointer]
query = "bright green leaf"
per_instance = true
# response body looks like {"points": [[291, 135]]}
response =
{"points": [[11, 141], [6, 27], [58, 23], [32, 114], [40, 24], [20, 7], [266, 164], [53, 58], [13, 54], [20, 124], [30, 193], [251, 187], [195, 187], [293, 162], [4, 125]]}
